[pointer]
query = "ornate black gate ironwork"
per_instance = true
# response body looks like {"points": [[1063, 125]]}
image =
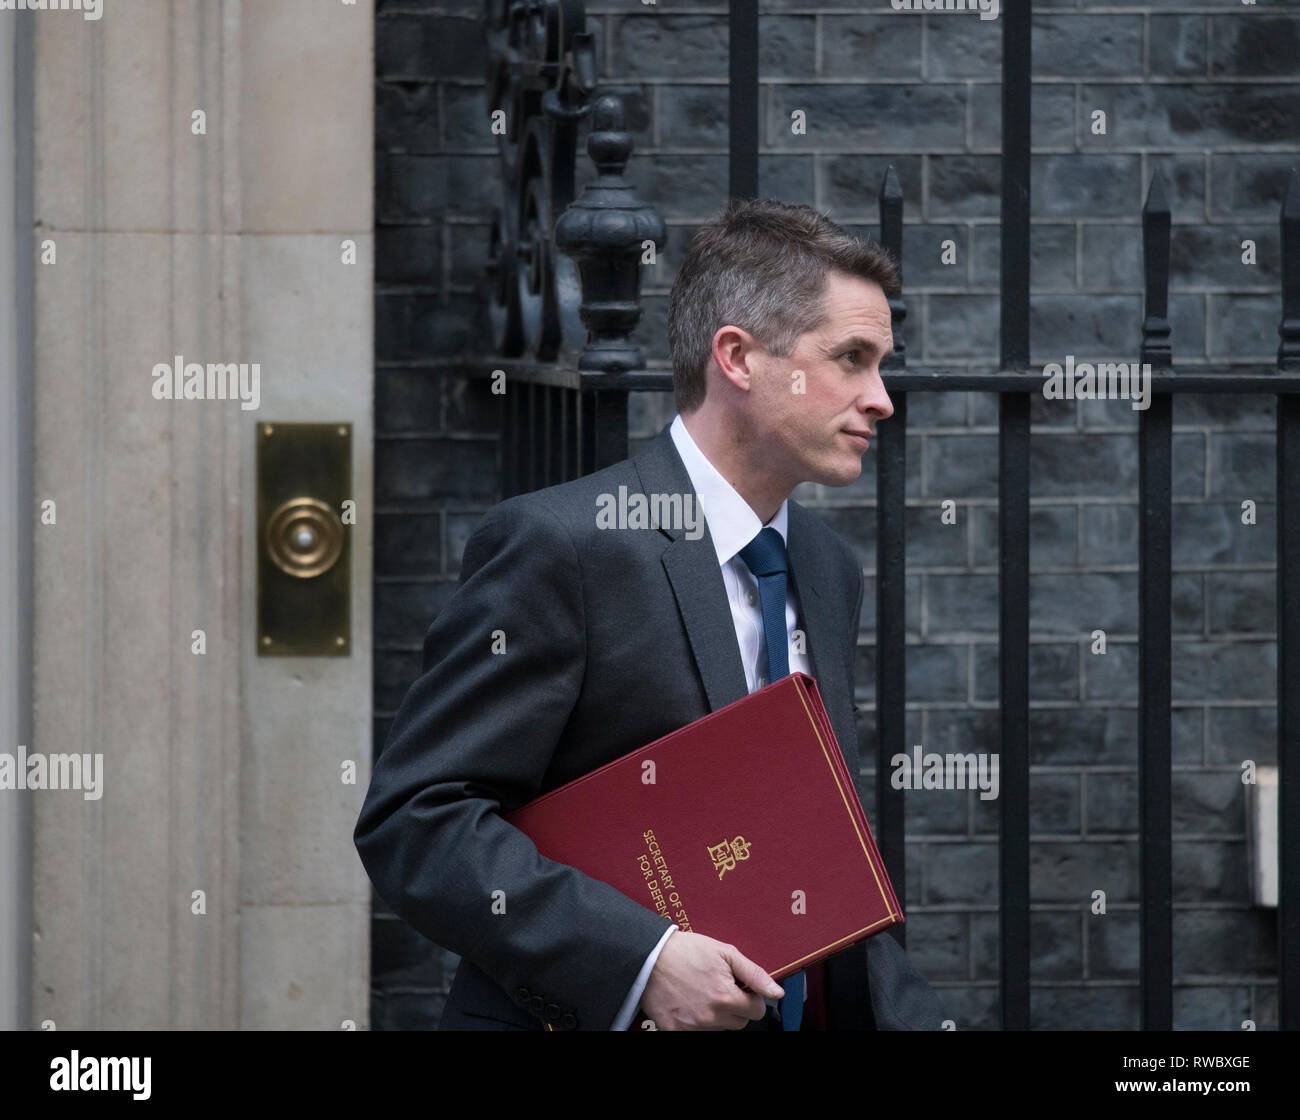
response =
{"points": [[567, 359]]}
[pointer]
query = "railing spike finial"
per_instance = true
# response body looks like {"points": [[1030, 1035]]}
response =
{"points": [[1156, 217], [890, 187], [1288, 353], [891, 239], [1157, 194]]}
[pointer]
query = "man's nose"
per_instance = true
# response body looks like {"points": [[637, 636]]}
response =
{"points": [[877, 399]]}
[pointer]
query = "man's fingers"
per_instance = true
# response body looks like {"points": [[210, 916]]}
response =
{"points": [[750, 975], [754, 1007]]}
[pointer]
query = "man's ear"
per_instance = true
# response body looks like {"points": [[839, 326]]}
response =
{"points": [[740, 357]]}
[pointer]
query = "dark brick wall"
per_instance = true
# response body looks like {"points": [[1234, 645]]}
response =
{"points": [[1206, 90], [435, 435]]}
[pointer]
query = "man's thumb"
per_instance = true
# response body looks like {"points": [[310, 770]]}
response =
{"points": [[751, 976]]}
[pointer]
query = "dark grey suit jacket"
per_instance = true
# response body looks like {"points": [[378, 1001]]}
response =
{"points": [[612, 638]]}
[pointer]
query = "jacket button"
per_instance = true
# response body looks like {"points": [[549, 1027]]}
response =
{"points": [[552, 1012], [522, 995], [536, 1005], [568, 1022]]}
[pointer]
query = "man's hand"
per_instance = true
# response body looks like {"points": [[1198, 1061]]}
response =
{"points": [[694, 986]]}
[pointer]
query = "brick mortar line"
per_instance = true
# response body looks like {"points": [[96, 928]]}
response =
{"points": [[1272, 148], [956, 81]]}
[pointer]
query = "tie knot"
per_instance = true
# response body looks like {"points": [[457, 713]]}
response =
{"points": [[765, 554]]}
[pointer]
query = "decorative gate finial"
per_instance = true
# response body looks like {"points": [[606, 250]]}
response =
{"points": [[606, 232], [541, 83]]}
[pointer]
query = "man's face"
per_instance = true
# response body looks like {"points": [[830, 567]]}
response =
{"points": [[808, 432]]}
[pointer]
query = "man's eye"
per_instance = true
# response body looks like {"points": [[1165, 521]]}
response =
{"points": [[847, 353]]}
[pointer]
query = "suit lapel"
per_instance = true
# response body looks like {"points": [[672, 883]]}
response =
{"points": [[696, 579], [824, 628]]}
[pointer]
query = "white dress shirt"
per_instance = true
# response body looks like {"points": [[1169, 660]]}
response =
{"points": [[732, 525]]}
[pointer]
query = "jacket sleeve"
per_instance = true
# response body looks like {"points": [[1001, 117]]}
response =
{"points": [[504, 663]]}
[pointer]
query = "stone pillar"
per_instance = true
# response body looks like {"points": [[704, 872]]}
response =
{"points": [[199, 166], [15, 513]]}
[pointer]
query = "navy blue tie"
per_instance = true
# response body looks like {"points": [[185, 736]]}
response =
{"points": [[765, 557]]}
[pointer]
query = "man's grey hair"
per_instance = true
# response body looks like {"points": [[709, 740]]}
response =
{"points": [[760, 265]]}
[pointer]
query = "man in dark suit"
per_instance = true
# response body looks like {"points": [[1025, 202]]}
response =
{"points": [[570, 642]]}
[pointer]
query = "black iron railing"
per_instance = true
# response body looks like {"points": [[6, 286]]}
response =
{"points": [[565, 414]]}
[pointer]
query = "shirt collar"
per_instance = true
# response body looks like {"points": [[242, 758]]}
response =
{"points": [[732, 522]]}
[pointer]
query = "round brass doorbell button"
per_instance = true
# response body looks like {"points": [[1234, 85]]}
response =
{"points": [[304, 537]]}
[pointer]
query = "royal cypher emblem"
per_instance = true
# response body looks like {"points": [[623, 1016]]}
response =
{"points": [[726, 855]]}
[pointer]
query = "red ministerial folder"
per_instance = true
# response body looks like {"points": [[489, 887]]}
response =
{"points": [[743, 825]]}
